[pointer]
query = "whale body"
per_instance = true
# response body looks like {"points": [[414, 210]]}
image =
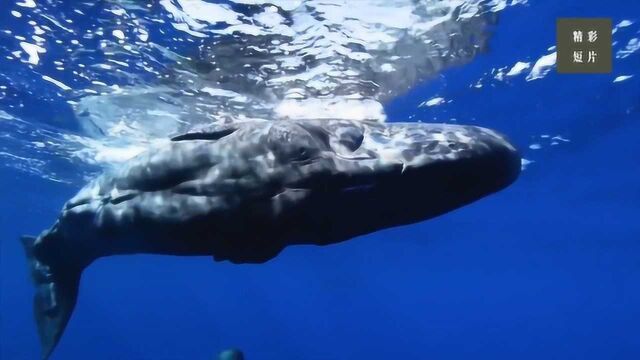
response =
{"points": [[243, 192]]}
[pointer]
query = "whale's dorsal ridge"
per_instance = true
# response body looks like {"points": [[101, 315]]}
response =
{"points": [[208, 132], [205, 134]]}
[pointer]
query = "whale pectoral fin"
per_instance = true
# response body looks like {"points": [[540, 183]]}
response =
{"points": [[55, 297]]}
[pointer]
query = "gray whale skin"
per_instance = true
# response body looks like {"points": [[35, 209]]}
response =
{"points": [[245, 191]]}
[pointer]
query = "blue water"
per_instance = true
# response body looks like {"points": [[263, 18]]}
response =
{"points": [[546, 269]]}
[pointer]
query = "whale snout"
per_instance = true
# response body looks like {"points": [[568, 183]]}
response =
{"points": [[452, 161], [501, 161]]}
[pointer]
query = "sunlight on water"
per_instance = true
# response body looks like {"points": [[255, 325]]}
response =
{"points": [[97, 82]]}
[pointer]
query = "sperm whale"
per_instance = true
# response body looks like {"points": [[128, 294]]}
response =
{"points": [[243, 192]]}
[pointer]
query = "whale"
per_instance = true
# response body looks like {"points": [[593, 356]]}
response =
{"points": [[243, 192]]}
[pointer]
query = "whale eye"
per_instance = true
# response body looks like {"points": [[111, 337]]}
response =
{"points": [[290, 142], [295, 152], [302, 153]]}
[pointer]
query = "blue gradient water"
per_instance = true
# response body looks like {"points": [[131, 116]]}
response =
{"points": [[547, 269]]}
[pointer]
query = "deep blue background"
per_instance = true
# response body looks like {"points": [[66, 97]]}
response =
{"points": [[549, 268]]}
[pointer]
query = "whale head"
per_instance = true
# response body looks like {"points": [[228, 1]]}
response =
{"points": [[337, 179]]}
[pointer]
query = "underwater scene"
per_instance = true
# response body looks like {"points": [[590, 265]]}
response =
{"points": [[319, 179]]}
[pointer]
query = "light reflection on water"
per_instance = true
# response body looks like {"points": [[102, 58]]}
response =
{"points": [[96, 82]]}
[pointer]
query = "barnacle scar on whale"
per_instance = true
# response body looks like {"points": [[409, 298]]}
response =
{"points": [[244, 192]]}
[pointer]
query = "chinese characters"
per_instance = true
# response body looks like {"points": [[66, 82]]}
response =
{"points": [[591, 56], [584, 45], [592, 36]]}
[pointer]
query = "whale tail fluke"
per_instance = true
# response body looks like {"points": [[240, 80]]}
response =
{"points": [[55, 296]]}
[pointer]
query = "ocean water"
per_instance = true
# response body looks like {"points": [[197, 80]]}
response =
{"points": [[546, 269]]}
